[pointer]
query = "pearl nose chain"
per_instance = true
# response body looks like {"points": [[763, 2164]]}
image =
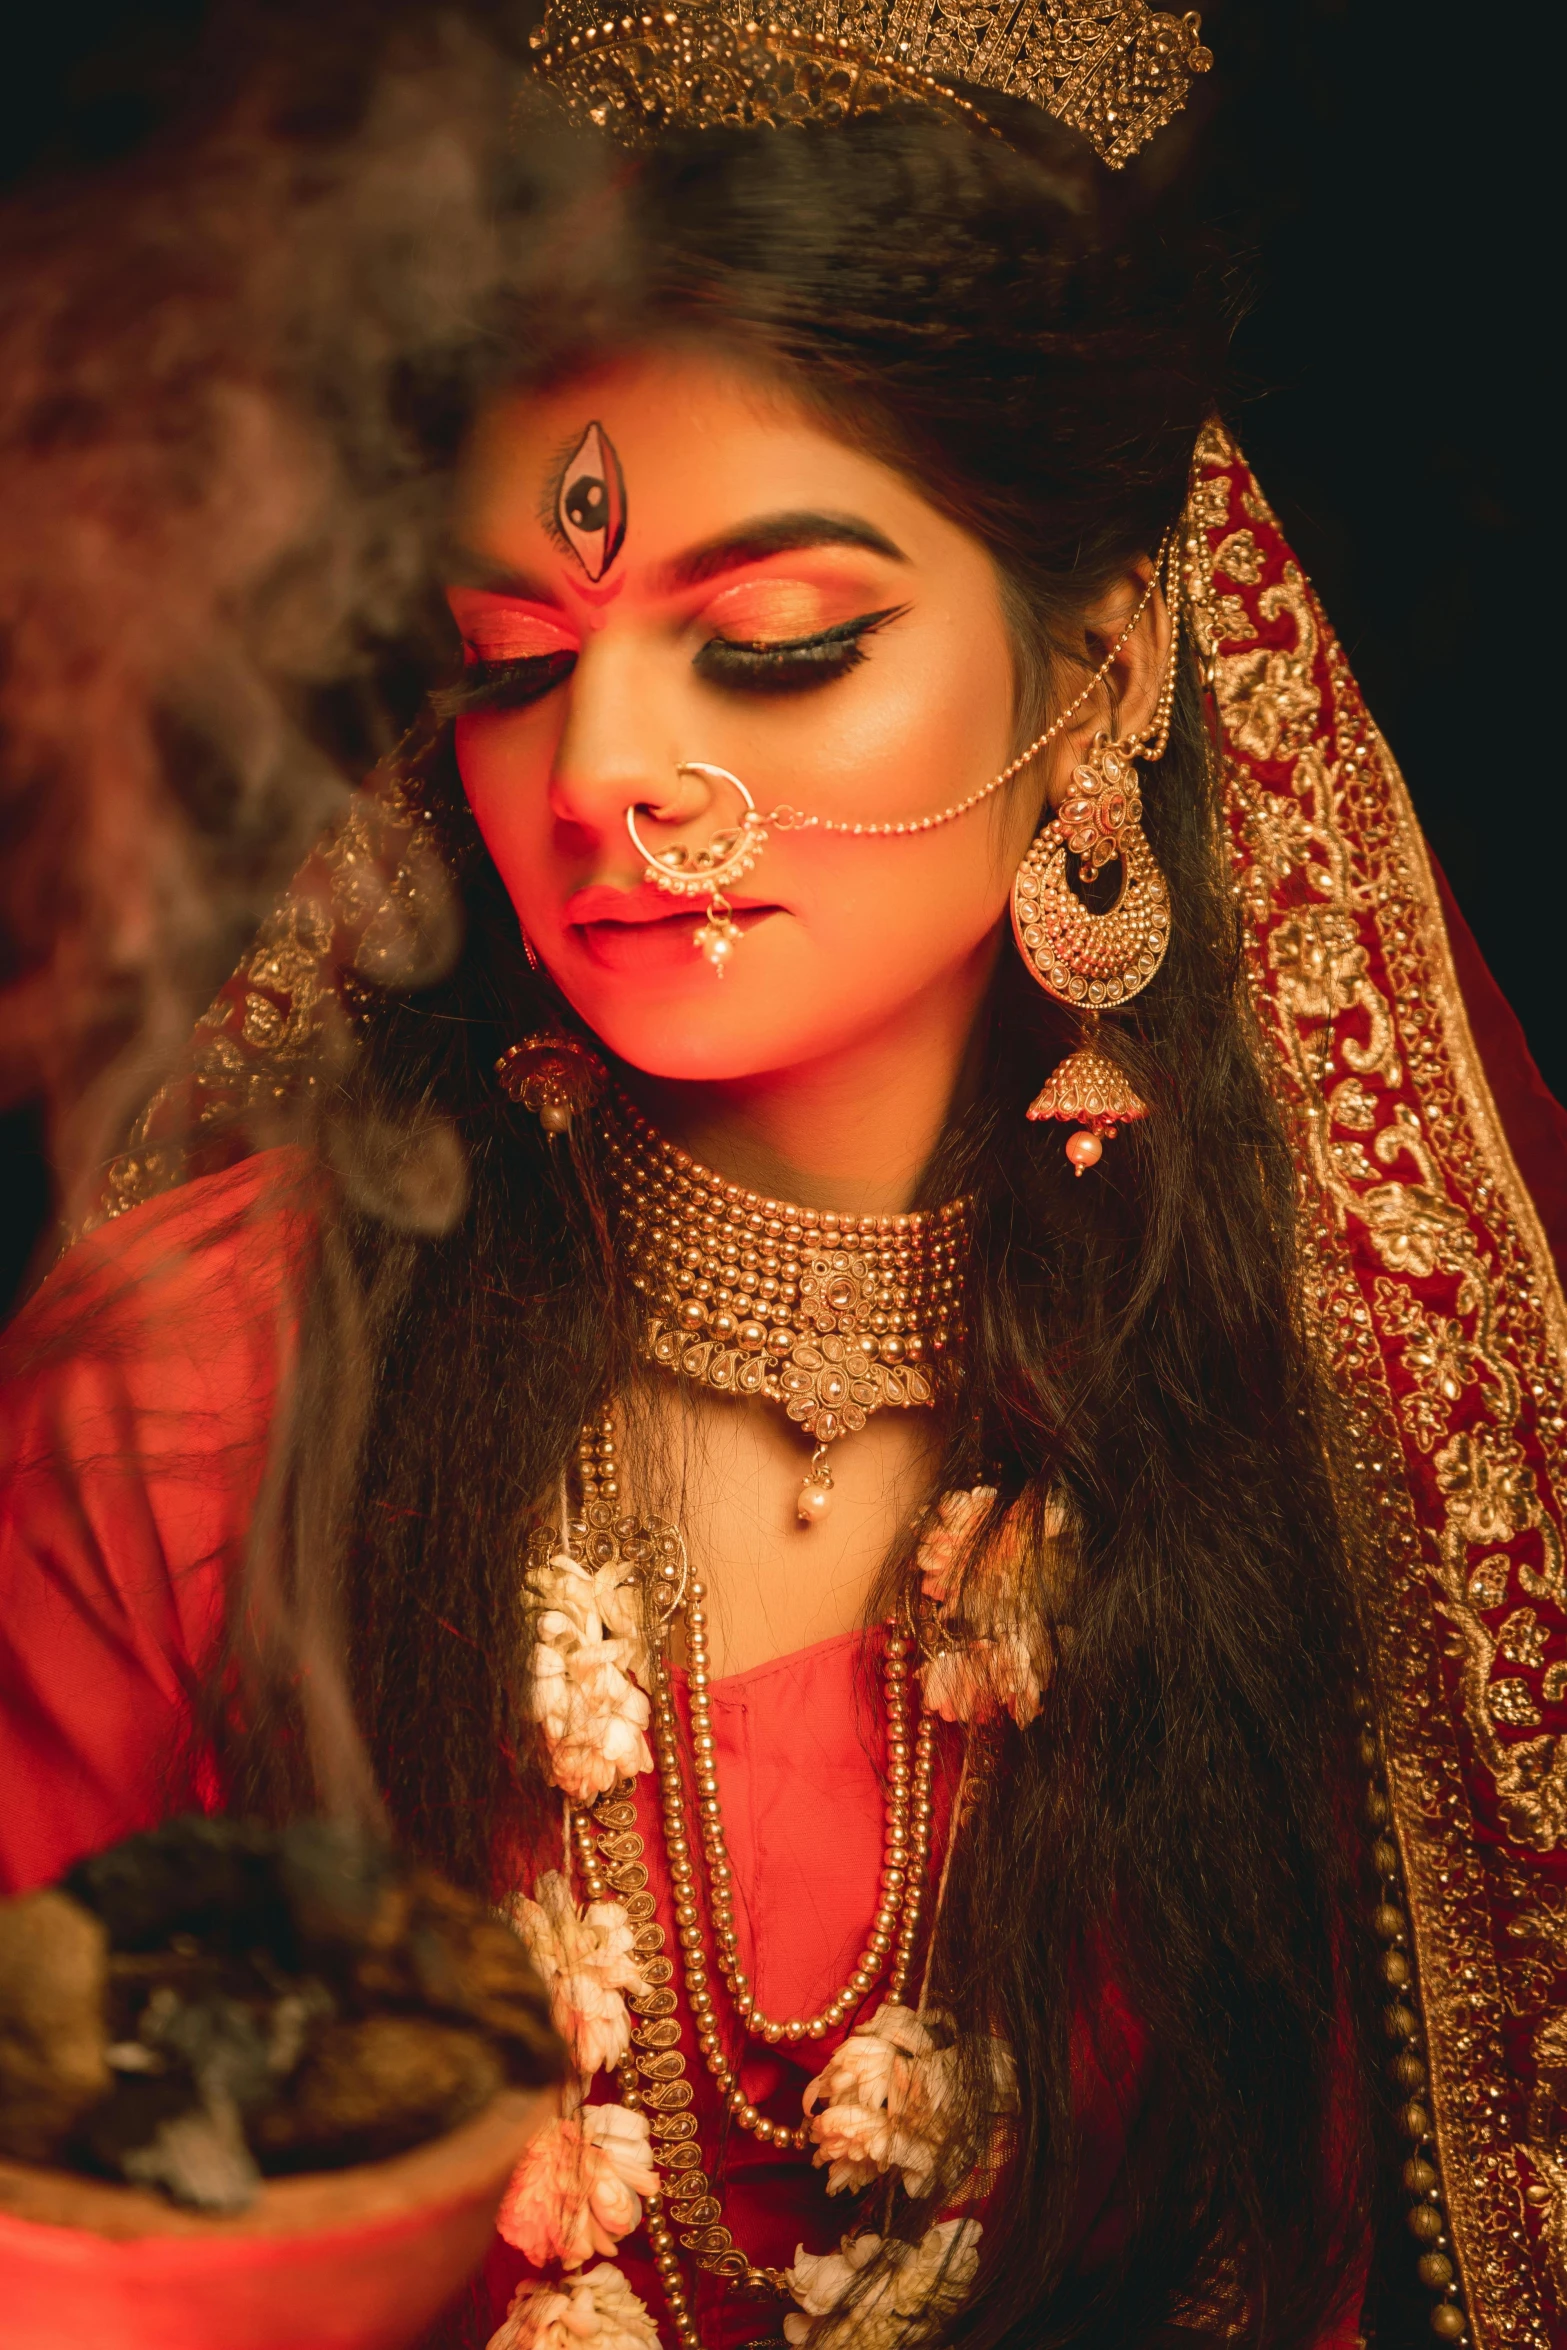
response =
{"points": [[729, 854]]}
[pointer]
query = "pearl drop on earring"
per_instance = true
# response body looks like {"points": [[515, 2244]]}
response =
{"points": [[1085, 1151], [814, 1498], [554, 1076]]}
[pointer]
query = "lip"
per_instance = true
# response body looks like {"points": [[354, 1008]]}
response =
{"points": [[602, 902], [645, 930]]}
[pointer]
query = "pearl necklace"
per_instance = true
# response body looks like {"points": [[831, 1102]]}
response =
{"points": [[608, 1848], [834, 1317]]}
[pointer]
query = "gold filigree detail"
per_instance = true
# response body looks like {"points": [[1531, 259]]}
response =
{"points": [[1522, 1639], [1115, 70], [366, 905], [1234, 621], [1270, 697], [1239, 557], [1351, 1104]]}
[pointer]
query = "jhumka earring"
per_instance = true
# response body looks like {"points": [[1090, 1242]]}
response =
{"points": [[706, 872], [1096, 961], [553, 1076]]}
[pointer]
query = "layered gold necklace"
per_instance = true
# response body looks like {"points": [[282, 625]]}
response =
{"points": [[833, 1317], [608, 1847]]}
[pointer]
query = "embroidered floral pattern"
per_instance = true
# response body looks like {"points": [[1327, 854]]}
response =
{"points": [[1433, 1299]]}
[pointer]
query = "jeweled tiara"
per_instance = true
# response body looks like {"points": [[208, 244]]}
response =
{"points": [[1116, 70]]}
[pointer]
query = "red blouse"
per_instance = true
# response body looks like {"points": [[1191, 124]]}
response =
{"points": [[139, 1385]]}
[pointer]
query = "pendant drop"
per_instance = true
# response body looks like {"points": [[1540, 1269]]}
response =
{"points": [[814, 1499], [718, 936], [1088, 1091], [554, 1076]]}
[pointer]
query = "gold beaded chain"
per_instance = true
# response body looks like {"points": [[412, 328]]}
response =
{"points": [[905, 1856], [608, 1849], [1436, 2265]]}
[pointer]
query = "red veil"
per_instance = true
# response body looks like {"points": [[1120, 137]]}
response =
{"points": [[1438, 1310]]}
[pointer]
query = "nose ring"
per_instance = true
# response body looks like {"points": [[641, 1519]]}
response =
{"points": [[706, 872]]}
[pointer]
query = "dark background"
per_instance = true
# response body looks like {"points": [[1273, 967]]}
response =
{"points": [[1377, 168]]}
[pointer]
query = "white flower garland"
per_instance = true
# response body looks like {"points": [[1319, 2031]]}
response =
{"points": [[585, 1957], [578, 2188], [593, 1717], [877, 2104], [599, 2307], [989, 1669], [880, 2101], [925, 2280], [873, 2105]]}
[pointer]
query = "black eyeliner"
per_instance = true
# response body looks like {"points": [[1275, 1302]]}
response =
{"points": [[503, 685], [792, 664]]}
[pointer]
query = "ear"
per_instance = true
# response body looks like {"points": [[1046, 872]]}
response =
{"points": [[1124, 703]]}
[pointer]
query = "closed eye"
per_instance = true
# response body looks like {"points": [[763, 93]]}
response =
{"points": [[790, 665], [504, 685]]}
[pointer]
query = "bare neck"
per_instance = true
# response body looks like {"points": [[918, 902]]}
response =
{"points": [[851, 1129]]}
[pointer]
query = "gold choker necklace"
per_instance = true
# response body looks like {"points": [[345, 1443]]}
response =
{"points": [[832, 1316]]}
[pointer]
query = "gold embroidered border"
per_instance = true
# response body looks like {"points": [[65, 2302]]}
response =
{"points": [[1444, 1324]]}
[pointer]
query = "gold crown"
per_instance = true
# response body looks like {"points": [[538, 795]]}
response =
{"points": [[1116, 70]]}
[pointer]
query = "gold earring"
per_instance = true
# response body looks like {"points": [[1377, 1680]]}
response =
{"points": [[1096, 961], [554, 1077], [706, 872]]}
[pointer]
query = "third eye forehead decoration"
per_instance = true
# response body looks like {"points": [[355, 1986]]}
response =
{"points": [[588, 511]]}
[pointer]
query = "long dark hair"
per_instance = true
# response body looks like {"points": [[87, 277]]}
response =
{"points": [[1040, 368]]}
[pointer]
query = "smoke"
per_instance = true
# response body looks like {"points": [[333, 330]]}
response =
{"points": [[234, 370]]}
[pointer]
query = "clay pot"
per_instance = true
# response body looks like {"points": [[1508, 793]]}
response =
{"points": [[359, 2259]]}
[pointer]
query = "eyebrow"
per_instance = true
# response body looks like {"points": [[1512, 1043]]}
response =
{"points": [[773, 534], [464, 568]]}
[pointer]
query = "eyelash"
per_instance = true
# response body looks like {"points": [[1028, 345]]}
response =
{"points": [[504, 685], [795, 666]]}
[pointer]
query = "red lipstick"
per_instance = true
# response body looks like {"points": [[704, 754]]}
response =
{"points": [[645, 929]]}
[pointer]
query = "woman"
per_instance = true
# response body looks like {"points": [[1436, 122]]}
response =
{"points": [[800, 1368]]}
